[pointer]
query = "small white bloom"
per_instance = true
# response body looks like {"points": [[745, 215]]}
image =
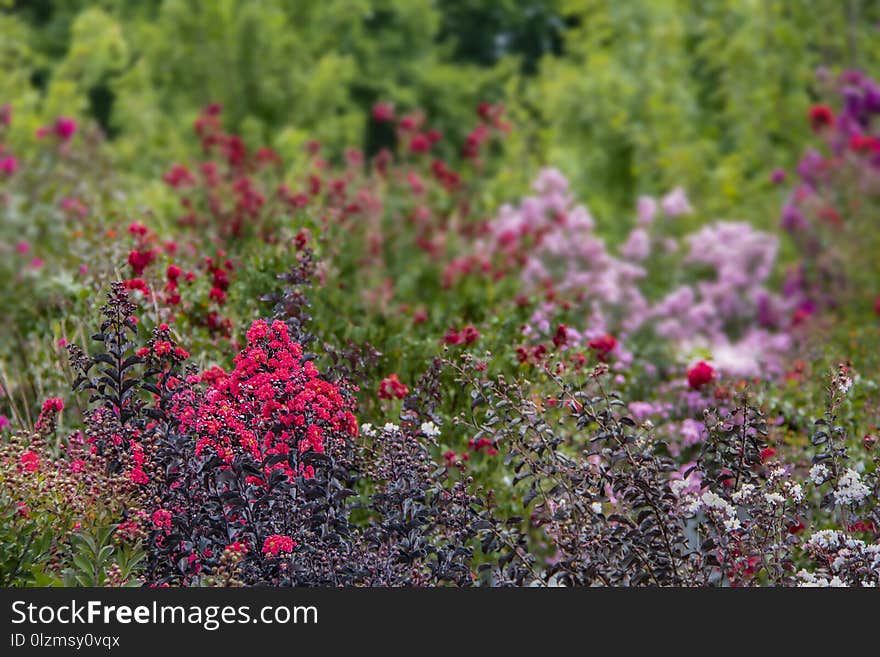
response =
{"points": [[367, 429], [390, 427], [596, 507], [430, 429], [774, 499], [778, 473], [819, 474], [795, 491], [744, 493]]}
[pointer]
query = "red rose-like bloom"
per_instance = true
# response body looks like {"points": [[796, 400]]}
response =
{"points": [[391, 387], [140, 260], [179, 176], [470, 335], [560, 338], [273, 404], [383, 112], [700, 374], [452, 337], [603, 346], [420, 143], [65, 128], [278, 544], [821, 117]]}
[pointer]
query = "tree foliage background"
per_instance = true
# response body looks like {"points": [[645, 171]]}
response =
{"points": [[625, 97]]}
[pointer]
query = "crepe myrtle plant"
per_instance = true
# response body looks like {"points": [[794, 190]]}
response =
{"points": [[258, 475], [607, 505]]}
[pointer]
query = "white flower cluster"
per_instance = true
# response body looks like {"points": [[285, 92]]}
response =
{"points": [[840, 552], [596, 507], [819, 474], [430, 429], [679, 486], [778, 479], [744, 494], [774, 499], [850, 489], [368, 429], [776, 474], [716, 505], [826, 539], [808, 579], [795, 491]]}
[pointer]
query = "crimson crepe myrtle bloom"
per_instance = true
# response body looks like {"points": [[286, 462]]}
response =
{"points": [[700, 374], [821, 117], [603, 346], [560, 338], [278, 544], [30, 461], [8, 165], [383, 112], [470, 335], [420, 143], [391, 388]]}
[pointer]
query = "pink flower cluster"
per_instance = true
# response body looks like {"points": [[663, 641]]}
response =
{"points": [[728, 310]]}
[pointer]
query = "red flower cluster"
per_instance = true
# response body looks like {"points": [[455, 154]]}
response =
{"points": [[30, 461], [821, 116], [603, 346], [53, 405], [383, 112], [391, 388], [273, 404], [767, 453], [64, 129], [492, 122], [162, 520], [453, 460], [531, 355], [179, 176], [467, 336], [142, 256], [278, 544], [480, 444], [47, 422], [700, 374], [138, 284], [560, 338]]}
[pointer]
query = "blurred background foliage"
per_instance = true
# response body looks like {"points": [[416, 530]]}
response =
{"points": [[625, 97]]}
